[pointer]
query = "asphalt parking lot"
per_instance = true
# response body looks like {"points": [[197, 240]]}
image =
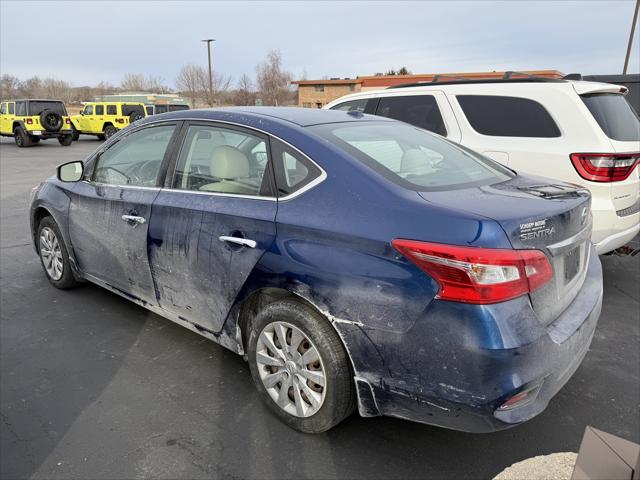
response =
{"points": [[92, 386]]}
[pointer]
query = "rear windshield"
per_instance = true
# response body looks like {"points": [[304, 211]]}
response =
{"points": [[412, 157], [614, 115], [129, 109], [36, 107]]}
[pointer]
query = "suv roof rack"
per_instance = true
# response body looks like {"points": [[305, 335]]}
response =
{"points": [[508, 77]]}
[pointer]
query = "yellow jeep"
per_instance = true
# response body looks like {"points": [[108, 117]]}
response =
{"points": [[103, 119], [29, 121]]}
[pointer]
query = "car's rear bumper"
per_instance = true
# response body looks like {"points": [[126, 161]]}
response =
{"points": [[621, 237], [47, 134], [459, 362]]}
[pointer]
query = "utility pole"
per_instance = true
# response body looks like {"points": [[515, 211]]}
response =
{"points": [[208, 41], [633, 29]]}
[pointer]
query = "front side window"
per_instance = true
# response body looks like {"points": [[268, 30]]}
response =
{"points": [[99, 109], [614, 115], [351, 106], [293, 170], [508, 116], [419, 110], [88, 110], [136, 159], [221, 160], [412, 157], [112, 110], [3, 108]]}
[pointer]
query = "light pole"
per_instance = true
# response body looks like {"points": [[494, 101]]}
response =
{"points": [[208, 41], [633, 27]]}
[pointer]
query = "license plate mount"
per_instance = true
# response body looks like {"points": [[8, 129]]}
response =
{"points": [[571, 264]]}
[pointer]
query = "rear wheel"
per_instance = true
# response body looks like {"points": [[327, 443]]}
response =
{"points": [[65, 140], [53, 254], [75, 135], [109, 131], [100, 137], [300, 367], [21, 138]]}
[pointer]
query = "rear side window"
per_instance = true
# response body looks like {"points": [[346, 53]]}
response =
{"points": [[508, 116], [293, 170], [129, 109], [177, 108], [419, 110], [351, 106], [614, 115], [21, 109], [112, 110], [412, 157]]}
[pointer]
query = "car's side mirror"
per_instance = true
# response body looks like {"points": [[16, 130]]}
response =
{"points": [[70, 172]]}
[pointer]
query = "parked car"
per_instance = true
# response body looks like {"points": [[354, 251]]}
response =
{"points": [[575, 131], [104, 119], [29, 121], [165, 107], [353, 260]]}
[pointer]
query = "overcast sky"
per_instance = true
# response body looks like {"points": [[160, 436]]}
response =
{"points": [[86, 42]]}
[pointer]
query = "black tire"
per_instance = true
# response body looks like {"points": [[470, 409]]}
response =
{"points": [[75, 135], [110, 131], [51, 121], [135, 116], [340, 397], [101, 137], [65, 140], [21, 138], [67, 279]]}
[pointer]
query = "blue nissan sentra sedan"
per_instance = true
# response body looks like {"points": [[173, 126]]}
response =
{"points": [[355, 261]]}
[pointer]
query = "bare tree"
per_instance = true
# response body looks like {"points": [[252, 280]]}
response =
{"points": [[57, 89], [192, 81], [137, 82], [245, 94], [9, 86], [273, 81]]}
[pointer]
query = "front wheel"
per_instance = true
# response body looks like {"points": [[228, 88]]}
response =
{"points": [[300, 367], [54, 255], [65, 140]]}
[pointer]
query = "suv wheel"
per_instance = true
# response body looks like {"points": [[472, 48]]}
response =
{"points": [[75, 135], [65, 140], [300, 367], [53, 254], [21, 138], [109, 131]]}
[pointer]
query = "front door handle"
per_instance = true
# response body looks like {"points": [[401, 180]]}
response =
{"points": [[133, 219], [245, 242]]}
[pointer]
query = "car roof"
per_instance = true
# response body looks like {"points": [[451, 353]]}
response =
{"points": [[33, 100], [302, 117]]}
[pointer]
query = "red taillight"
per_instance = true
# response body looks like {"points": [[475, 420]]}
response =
{"points": [[67, 120], [478, 275], [605, 167], [29, 121]]}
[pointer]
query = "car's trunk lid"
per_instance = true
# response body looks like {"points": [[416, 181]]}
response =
{"points": [[541, 214]]}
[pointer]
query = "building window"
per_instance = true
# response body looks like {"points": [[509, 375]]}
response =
{"points": [[306, 104], [318, 104], [319, 88], [352, 87]]}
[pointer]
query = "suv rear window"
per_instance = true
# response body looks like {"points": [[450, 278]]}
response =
{"points": [[614, 115], [419, 110], [508, 116], [129, 109], [36, 107], [413, 158]]}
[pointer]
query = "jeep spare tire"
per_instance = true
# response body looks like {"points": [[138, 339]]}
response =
{"points": [[50, 120], [135, 116]]}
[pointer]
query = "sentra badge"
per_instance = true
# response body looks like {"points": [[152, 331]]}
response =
{"points": [[537, 229]]}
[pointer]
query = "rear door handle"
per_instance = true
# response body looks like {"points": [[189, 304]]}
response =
{"points": [[133, 218], [245, 242]]}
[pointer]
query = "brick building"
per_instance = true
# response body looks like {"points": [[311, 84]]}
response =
{"points": [[317, 93]]}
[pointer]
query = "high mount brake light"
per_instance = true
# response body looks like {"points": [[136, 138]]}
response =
{"points": [[605, 167], [478, 275]]}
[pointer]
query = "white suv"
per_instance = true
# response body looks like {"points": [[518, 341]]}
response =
{"points": [[580, 132]]}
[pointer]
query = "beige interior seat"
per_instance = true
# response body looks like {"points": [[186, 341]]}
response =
{"points": [[231, 166]]}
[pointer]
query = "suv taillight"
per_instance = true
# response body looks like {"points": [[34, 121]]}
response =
{"points": [[605, 167], [67, 120], [120, 120], [29, 121], [478, 275]]}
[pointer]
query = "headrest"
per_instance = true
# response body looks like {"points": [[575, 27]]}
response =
{"points": [[228, 162]]}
